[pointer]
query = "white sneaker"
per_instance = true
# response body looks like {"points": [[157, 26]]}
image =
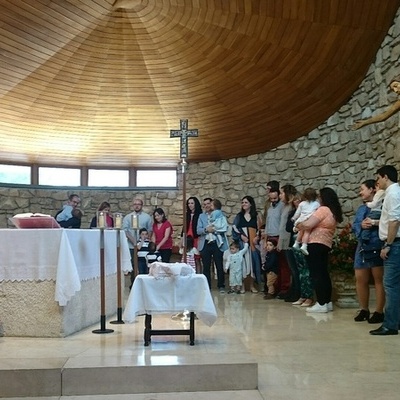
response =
{"points": [[318, 308], [329, 306], [303, 249], [296, 245]]}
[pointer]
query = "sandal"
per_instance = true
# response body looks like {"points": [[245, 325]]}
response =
{"points": [[307, 303]]}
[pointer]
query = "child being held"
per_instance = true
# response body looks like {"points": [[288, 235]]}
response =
{"points": [[270, 267], [375, 214], [191, 253], [143, 250], [217, 220], [234, 263], [303, 212], [70, 216]]}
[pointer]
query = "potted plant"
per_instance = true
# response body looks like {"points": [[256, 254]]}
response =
{"points": [[341, 260]]}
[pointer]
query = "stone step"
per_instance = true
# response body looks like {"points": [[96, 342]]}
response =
{"points": [[110, 375], [219, 395]]}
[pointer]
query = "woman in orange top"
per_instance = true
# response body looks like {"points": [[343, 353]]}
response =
{"points": [[323, 225]]}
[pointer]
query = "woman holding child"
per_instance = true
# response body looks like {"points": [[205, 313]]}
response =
{"points": [[367, 260], [322, 224]]}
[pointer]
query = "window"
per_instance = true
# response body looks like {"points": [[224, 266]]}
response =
{"points": [[156, 178], [17, 174], [108, 177], [59, 176], [90, 177]]}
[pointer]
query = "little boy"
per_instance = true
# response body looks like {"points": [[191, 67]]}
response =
{"points": [[234, 263], [270, 267], [143, 250], [152, 255]]}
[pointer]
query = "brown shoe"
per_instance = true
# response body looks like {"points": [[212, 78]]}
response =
{"points": [[269, 296]]}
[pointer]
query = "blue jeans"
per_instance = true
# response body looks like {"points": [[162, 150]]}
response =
{"points": [[391, 283]]}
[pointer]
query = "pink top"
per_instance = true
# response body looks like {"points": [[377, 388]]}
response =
{"points": [[324, 231], [159, 233]]}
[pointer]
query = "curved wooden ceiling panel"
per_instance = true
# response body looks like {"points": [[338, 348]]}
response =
{"points": [[102, 82]]}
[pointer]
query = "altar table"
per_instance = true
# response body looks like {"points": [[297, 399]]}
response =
{"points": [[166, 295], [49, 279]]}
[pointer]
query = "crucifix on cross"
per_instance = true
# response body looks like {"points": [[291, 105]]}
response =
{"points": [[184, 133]]}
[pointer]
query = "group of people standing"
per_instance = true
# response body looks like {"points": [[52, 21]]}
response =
{"points": [[266, 253]]}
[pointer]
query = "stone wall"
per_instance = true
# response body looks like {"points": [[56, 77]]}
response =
{"points": [[329, 155]]}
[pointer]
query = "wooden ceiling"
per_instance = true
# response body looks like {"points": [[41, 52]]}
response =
{"points": [[102, 82]]}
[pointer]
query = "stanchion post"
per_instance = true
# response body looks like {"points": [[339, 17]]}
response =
{"points": [[119, 276], [102, 288]]}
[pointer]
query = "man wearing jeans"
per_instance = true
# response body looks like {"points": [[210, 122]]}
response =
{"points": [[389, 232], [208, 246]]}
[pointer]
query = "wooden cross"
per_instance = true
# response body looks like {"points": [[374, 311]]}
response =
{"points": [[184, 133]]}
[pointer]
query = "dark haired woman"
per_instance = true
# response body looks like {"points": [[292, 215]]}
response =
{"points": [[244, 231], [106, 207], [367, 259], [193, 210], [323, 225], [162, 234]]}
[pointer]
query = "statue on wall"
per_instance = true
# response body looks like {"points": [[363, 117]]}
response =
{"points": [[393, 109]]}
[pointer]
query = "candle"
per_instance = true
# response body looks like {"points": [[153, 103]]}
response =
{"points": [[135, 221], [101, 221], [118, 221]]}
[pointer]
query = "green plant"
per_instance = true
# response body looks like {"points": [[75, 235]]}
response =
{"points": [[341, 257]]}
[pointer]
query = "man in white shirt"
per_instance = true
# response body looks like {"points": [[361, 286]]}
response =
{"points": [[389, 232]]}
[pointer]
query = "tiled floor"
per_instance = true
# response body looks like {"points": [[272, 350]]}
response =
{"points": [[300, 356]]}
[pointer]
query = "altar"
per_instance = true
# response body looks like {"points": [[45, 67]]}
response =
{"points": [[50, 279]]}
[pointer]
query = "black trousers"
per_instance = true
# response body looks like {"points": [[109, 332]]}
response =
{"points": [[318, 264], [211, 252]]}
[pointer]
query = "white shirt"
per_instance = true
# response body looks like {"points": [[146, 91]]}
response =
{"points": [[390, 210]]}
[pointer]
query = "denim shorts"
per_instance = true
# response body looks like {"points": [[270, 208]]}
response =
{"points": [[361, 263]]}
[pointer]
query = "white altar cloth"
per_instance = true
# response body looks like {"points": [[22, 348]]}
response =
{"points": [[151, 296], [67, 256]]}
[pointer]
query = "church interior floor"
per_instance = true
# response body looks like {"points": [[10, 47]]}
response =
{"points": [[299, 355]]}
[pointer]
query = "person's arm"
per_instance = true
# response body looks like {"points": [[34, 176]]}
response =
{"points": [[126, 226], [377, 118], [297, 212], [245, 247], [202, 225], [236, 232], [309, 224], [358, 221]]}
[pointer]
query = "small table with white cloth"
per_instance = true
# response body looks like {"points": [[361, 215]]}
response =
{"points": [[166, 295]]}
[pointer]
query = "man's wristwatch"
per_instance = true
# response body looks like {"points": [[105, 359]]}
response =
{"points": [[386, 245]]}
